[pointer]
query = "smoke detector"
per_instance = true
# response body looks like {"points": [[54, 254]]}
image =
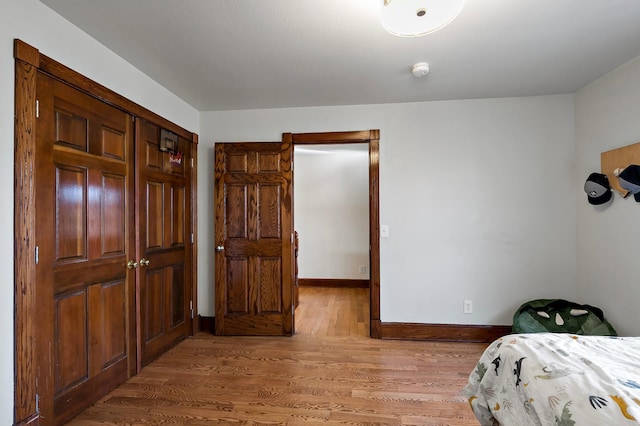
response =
{"points": [[420, 69]]}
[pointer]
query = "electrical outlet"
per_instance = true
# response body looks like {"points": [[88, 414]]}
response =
{"points": [[467, 307], [362, 269]]}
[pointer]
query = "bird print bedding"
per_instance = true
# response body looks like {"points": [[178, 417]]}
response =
{"points": [[557, 379]]}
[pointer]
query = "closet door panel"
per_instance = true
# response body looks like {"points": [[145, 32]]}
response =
{"points": [[84, 212], [165, 273]]}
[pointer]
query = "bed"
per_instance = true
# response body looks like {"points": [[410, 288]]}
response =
{"points": [[557, 379]]}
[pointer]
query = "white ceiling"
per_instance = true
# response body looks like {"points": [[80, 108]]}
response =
{"points": [[244, 54]]}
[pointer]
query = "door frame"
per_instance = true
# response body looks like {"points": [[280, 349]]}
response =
{"points": [[372, 138], [28, 62]]}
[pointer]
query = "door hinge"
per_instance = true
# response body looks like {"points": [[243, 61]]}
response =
{"points": [[37, 108], [37, 403], [191, 308], [37, 257], [192, 238], [192, 162]]}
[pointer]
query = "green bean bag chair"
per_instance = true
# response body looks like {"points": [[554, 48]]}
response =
{"points": [[561, 316]]}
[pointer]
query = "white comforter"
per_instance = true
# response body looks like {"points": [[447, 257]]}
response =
{"points": [[557, 379]]}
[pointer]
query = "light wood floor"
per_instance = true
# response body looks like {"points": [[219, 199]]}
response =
{"points": [[330, 372], [333, 312]]}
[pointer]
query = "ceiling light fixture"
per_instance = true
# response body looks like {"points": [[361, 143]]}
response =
{"points": [[414, 18]]}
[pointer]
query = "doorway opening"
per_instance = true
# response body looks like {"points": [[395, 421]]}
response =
{"points": [[331, 211], [369, 140]]}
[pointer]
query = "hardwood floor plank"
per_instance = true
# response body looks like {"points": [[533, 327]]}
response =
{"points": [[330, 372]]}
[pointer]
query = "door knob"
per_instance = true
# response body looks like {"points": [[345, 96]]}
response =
{"points": [[131, 264], [144, 262], [219, 248]]}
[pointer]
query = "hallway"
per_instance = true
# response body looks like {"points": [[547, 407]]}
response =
{"points": [[327, 311]]}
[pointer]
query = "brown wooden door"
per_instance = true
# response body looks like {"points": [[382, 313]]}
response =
{"points": [[84, 217], [164, 258], [254, 239]]}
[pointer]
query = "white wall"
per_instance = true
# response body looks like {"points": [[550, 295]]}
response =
{"points": [[479, 195], [37, 25], [331, 211], [608, 117]]}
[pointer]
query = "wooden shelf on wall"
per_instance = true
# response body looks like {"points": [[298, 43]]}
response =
{"points": [[619, 158]]}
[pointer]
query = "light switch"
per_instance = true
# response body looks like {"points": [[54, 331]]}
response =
{"points": [[384, 231]]}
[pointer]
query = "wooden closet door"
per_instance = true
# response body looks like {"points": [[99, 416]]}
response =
{"points": [[84, 217], [165, 242]]}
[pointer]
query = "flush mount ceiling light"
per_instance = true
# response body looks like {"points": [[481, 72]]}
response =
{"points": [[413, 18]]}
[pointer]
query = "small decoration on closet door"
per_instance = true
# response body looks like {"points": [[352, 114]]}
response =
{"points": [[168, 141], [598, 189], [175, 159]]}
